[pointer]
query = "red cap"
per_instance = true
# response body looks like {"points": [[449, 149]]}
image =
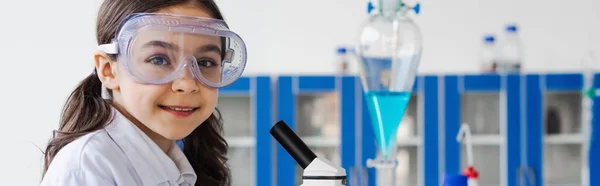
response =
{"points": [[471, 173]]}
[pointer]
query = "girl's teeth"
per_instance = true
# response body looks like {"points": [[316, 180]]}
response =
{"points": [[180, 109]]}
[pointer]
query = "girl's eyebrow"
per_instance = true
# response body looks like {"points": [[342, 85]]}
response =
{"points": [[162, 44], [209, 48], [170, 46]]}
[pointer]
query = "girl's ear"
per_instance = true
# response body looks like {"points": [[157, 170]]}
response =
{"points": [[106, 70]]}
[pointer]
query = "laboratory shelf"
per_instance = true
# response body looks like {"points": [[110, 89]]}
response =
{"points": [[300, 101], [241, 142], [479, 101], [486, 140], [318, 141], [527, 128], [540, 128], [410, 142], [565, 139], [556, 145], [315, 106]]}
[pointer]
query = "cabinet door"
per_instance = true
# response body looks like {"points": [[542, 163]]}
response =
{"points": [[481, 111], [555, 142], [237, 114], [311, 106], [318, 124], [238, 128], [482, 103], [563, 140]]}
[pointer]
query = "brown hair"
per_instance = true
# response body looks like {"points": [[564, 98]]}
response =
{"points": [[86, 111]]}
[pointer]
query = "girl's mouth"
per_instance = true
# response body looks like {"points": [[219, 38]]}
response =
{"points": [[180, 111]]}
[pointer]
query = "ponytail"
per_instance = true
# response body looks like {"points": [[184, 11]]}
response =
{"points": [[84, 112], [206, 149]]}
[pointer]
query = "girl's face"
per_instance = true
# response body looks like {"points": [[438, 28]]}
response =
{"points": [[157, 109]]}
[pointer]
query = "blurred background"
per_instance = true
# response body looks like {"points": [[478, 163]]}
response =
{"points": [[296, 54]]}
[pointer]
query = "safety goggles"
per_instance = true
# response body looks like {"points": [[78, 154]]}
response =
{"points": [[159, 48]]}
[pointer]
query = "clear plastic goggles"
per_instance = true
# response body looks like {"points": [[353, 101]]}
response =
{"points": [[159, 48]]}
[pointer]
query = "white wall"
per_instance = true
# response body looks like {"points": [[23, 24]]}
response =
{"points": [[301, 36], [47, 48]]}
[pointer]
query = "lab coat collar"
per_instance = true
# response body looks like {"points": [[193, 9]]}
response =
{"points": [[151, 164]]}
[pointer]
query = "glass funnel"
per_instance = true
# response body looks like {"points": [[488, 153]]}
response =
{"points": [[389, 50]]}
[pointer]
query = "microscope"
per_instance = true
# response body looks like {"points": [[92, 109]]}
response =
{"points": [[317, 171]]}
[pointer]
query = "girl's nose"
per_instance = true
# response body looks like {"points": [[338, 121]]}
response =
{"points": [[186, 83]]}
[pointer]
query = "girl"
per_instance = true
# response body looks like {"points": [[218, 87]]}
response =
{"points": [[161, 64]]}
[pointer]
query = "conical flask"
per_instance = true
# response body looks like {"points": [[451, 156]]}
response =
{"points": [[389, 50]]}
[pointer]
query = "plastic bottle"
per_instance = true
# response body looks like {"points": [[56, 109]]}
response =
{"points": [[487, 56], [510, 51]]}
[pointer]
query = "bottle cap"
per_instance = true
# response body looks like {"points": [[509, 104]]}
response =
{"points": [[511, 28], [341, 50], [488, 38], [471, 173], [417, 8], [455, 180], [370, 7]]}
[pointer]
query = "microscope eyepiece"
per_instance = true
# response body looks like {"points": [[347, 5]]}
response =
{"points": [[288, 139]]}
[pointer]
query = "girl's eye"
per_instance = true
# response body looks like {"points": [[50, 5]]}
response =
{"points": [[206, 63], [158, 60]]}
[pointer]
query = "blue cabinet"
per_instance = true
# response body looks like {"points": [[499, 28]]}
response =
{"points": [[490, 105], [594, 144], [556, 142], [527, 128], [321, 110], [356, 141]]}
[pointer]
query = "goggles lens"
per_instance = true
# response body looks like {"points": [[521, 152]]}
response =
{"points": [[157, 49]]}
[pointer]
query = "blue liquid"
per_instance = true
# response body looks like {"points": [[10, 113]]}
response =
{"points": [[386, 110]]}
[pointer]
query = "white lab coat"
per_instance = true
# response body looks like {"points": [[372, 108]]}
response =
{"points": [[119, 155]]}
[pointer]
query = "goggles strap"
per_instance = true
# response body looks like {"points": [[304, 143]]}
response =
{"points": [[109, 48]]}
